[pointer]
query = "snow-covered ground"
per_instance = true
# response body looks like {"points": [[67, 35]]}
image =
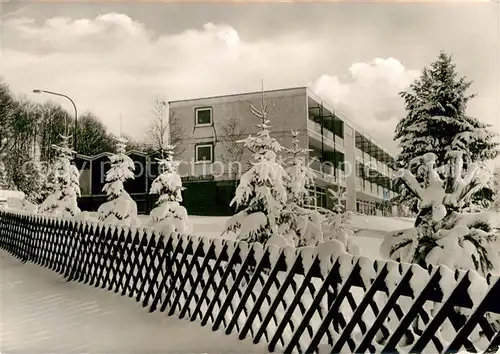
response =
{"points": [[370, 230], [369, 235], [42, 313]]}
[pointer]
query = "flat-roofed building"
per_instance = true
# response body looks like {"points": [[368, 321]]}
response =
{"points": [[341, 154]]}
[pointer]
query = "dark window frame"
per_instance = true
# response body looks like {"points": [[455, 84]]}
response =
{"points": [[212, 148], [198, 109]]}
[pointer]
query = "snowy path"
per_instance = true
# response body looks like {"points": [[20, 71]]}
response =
{"points": [[40, 312]]}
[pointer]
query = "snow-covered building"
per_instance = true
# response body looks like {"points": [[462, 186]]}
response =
{"points": [[341, 154]]}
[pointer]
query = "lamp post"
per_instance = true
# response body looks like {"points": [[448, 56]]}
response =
{"points": [[74, 106]]}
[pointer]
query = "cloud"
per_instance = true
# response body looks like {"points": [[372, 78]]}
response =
{"points": [[115, 65], [369, 93]]}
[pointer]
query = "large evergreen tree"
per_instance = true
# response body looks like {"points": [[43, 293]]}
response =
{"points": [[436, 105], [7, 107]]}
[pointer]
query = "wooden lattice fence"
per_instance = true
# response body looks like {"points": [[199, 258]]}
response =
{"points": [[306, 300]]}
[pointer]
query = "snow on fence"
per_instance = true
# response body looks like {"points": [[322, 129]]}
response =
{"points": [[305, 300]]}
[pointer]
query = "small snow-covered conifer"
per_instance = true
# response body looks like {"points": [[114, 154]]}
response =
{"points": [[297, 223], [65, 190], [120, 207], [261, 195], [168, 213], [301, 176]]}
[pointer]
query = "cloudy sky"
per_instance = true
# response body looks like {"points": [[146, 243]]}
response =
{"points": [[114, 58]]}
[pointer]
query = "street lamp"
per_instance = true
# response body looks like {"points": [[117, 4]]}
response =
{"points": [[74, 106]]}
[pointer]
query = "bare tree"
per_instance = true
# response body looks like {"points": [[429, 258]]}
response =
{"points": [[162, 129], [232, 132], [93, 136]]}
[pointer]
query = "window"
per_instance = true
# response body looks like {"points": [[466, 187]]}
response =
{"points": [[338, 127], [204, 153], [85, 181], [386, 195], [317, 197], [203, 116], [339, 160]]}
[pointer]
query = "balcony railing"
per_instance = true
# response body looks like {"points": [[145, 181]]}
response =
{"points": [[328, 172], [327, 134]]}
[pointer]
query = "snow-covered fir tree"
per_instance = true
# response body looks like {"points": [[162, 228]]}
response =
{"points": [[301, 176], [261, 195], [65, 190], [436, 106], [297, 223], [442, 233], [168, 213], [120, 207], [445, 235]]}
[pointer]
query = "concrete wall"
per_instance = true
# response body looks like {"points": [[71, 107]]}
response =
{"points": [[287, 110], [350, 159]]}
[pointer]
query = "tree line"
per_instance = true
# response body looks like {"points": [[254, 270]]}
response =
{"points": [[29, 129]]}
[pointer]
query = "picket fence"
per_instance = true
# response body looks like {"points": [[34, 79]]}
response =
{"points": [[308, 300]]}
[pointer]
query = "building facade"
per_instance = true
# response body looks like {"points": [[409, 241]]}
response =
{"points": [[341, 155]]}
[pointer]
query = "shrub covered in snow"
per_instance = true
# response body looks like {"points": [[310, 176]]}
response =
{"points": [[65, 187], [261, 194], [301, 176], [168, 214], [334, 226], [120, 207], [311, 227], [443, 234], [297, 223]]}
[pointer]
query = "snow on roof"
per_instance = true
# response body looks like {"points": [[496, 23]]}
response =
{"points": [[106, 153]]}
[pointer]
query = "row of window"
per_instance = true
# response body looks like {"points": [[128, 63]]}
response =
{"points": [[371, 208], [373, 163], [334, 126], [373, 188], [365, 176]]}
